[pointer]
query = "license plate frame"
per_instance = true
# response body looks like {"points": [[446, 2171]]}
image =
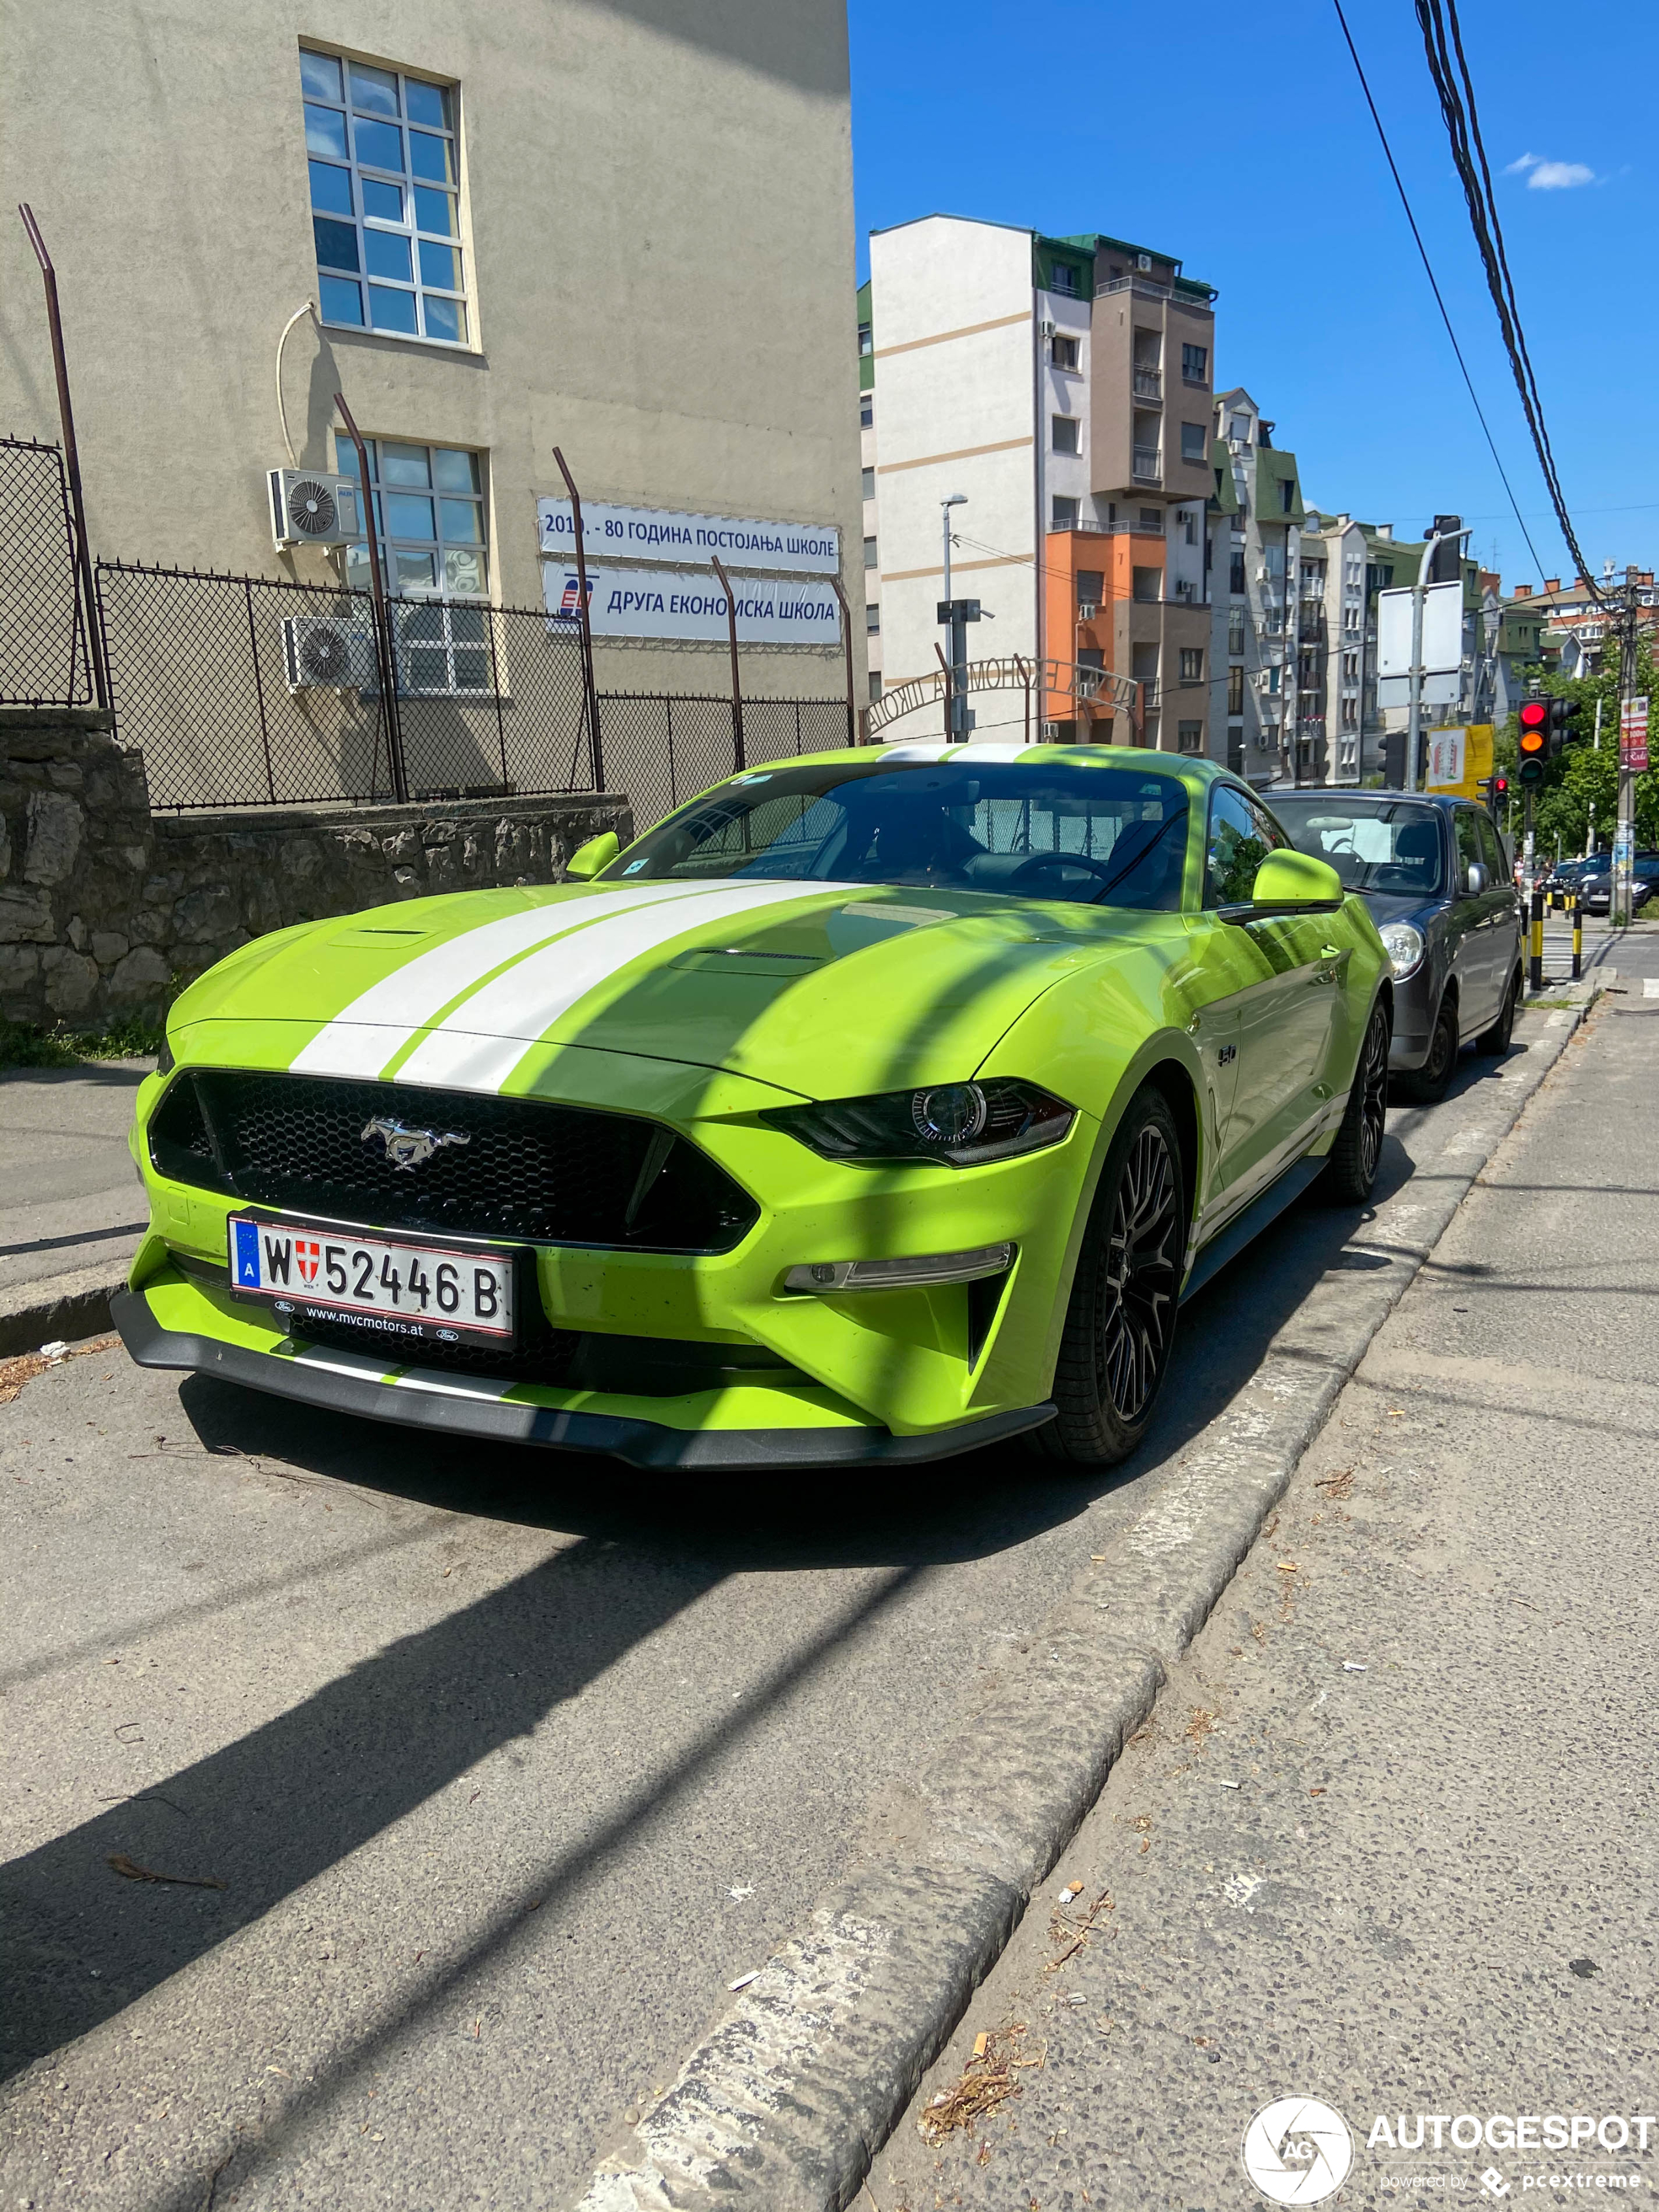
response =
{"points": [[296, 1300]]}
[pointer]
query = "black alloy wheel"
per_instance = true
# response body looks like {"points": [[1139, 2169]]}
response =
{"points": [[1358, 1146], [1120, 1324]]}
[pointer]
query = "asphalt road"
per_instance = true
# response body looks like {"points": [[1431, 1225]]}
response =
{"points": [[68, 1197], [1389, 1841], [507, 1763]]}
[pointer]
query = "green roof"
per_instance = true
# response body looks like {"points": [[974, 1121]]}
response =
{"points": [[1274, 464], [1224, 498]]}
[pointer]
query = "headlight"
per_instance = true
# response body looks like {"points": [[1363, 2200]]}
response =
{"points": [[1403, 943], [955, 1124]]}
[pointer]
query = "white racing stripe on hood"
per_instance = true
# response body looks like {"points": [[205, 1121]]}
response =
{"points": [[482, 1042], [364, 1036]]}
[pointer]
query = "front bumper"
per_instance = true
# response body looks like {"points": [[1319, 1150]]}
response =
{"points": [[173, 1323]]}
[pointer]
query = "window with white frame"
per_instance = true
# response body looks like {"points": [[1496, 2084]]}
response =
{"points": [[1062, 350], [381, 150], [430, 517], [1192, 664]]}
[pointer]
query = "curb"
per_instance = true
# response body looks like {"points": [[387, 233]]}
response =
{"points": [[66, 1307], [786, 2100]]}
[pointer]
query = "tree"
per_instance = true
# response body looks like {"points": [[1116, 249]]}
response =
{"points": [[1583, 775]]}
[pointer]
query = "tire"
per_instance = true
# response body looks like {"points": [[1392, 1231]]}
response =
{"points": [[1351, 1169], [1120, 1325], [1428, 1085], [1496, 1038]]}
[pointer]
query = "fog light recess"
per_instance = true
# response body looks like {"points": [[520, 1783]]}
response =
{"points": [[829, 1276]]}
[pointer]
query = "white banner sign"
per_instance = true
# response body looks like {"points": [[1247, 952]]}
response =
{"points": [[654, 533], [1442, 631], [681, 604]]}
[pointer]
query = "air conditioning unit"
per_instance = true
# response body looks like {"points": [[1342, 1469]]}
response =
{"points": [[1144, 262], [1045, 329], [1183, 587], [1087, 609], [325, 653], [308, 507], [1264, 576]]}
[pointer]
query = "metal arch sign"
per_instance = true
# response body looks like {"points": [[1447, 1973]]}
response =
{"points": [[657, 533]]}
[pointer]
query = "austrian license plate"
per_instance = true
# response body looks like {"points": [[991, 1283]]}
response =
{"points": [[418, 1290]]}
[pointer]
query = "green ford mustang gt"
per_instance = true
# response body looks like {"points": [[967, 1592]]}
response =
{"points": [[875, 1105]]}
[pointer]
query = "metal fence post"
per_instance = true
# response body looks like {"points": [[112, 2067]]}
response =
{"points": [[258, 687], [71, 455], [385, 651], [846, 643], [585, 616], [737, 759], [496, 693]]}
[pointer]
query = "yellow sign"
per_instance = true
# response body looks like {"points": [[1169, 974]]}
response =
{"points": [[1459, 760]]}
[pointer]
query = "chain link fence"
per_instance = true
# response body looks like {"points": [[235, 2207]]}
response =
{"points": [[662, 749], [44, 661]]}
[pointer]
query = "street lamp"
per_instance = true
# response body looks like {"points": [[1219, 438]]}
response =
{"points": [[955, 499], [1415, 712], [958, 618]]}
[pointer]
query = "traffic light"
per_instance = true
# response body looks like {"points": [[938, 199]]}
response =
{"points": [[1534, 739], [1495, 790], [1562, 731]]}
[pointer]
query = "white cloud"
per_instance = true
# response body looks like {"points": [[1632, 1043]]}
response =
{"points": [[1550, 176]]}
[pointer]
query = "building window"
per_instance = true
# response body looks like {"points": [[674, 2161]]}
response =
{"points": [[1235, 629], [869, 552], [1064, 429], [1062, 351], [1090, 587], [1192, 664], [875, 685], [1190, 527], [1064, 514], [1351, 668], [1194, 364], [1351, 714], [1287, 497], [1274, 674], [1189, 737], [867, 342], [873, 619], [429, 514], [1235, 576], [1238, 429], [1062, 277], [866, 413], [380, 147], [1235, 690], [1147, 583], [1151, 519], [869, 484], [1194, 444]]}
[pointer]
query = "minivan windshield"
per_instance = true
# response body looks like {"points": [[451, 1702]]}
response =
{"points": [[1074, 831], [1374, 844]]}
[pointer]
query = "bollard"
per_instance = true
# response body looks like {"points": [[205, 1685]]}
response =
{"points": [[1535, 982], [1577, 935]]}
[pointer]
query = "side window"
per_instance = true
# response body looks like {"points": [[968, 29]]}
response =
{"points": [[1268, 830], [1492, 852], [1241, 836], [1469, 842]]}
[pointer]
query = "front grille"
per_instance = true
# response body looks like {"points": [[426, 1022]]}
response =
{"points": [[557, 1175]]}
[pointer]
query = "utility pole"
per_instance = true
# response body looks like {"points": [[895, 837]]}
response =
{"points": [[951, 611], [1633, 754]]}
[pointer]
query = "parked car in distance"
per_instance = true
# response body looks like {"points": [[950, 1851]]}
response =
{"points": [[1568, 875], [1433, 870], [1595, 889]]}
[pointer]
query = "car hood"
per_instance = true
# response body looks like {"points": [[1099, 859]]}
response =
{"points": [[1402, 906], [821, 990]]}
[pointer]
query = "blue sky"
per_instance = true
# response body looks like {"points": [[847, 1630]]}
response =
{"points": [[1246, 150]]}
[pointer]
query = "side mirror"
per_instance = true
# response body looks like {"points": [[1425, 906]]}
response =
{"points": [[587, 859], [1292, 879], [1474, 880]]}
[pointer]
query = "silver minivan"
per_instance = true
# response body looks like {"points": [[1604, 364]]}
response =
{"points": [[1434, 872]]}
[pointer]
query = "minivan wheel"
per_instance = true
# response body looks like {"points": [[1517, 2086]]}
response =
{"points": [[1427, 1085], [1496, 1038]]}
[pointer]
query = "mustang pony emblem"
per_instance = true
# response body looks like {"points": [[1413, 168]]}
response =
{"points": [[406, 1147]]}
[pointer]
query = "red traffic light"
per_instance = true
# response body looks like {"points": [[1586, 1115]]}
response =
{"points": [[1500, 786], [1535, 727]]}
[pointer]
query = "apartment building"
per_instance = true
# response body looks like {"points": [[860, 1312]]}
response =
{"points": [[1256, 514], [1342, 565], [1063, 387], [1574, 625], [620, 231]]}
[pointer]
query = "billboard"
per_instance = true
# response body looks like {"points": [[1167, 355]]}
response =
{"points": [[660, 533], [1458, 760], [670, 603]]}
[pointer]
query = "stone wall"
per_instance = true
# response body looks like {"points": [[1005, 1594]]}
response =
{"points": [[107, 910]]}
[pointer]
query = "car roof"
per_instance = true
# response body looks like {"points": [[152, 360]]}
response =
{"points": [[1336, 793], [1186, 768]]}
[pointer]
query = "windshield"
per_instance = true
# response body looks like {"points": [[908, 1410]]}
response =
{"points": [[1374, 845], [1040, 829]]}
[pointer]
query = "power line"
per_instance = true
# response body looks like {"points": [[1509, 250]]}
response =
{"points": [[1428, 270], [1443, 39]]}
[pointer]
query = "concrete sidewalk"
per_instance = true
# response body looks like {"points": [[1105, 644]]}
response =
{"points": [[71, 1211], [1387, 1839]]}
